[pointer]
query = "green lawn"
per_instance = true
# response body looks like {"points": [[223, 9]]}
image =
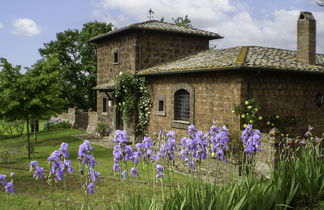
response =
{"points": [[33, 194], [14, 132]]}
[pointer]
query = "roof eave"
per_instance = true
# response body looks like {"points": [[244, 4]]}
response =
{"points": [[134, 27], [241, 67]]}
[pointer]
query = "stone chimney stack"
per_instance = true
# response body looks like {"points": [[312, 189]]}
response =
{"points": [[306, 38]]}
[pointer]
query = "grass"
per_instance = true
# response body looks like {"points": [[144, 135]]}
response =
{"points": [[14, 131], [33, 194], [298, 182]]}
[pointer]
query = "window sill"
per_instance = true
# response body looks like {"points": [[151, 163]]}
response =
{"points": [[180, 124], [160, 113]]}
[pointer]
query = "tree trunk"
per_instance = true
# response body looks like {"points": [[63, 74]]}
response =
{"points": [[28, 138], [35, 130]]}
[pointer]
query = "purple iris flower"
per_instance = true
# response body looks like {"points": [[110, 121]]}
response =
{"points": [[94, 175], [58, 165], [120, 137], [55, 156], [159, 171], [67, 166], [9, 188], [191, 129], [134, 172], [116, 167], [65, 150], [37, 171], [251, 140], [33, 163], [124, 174], [3, 179], [219, 138], [90, 188]]}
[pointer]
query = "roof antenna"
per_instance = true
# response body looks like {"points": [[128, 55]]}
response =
{"points": [[150, 14]]}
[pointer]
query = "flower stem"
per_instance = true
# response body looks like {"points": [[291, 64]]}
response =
{"points": [[65, 192], [52, 196]]}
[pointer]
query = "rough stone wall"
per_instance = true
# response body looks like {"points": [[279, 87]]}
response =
{"points": [[138, 50], [92, 122], [289, 94], [158, 47], [106, 68], [71, 115], [306, 38], [268, 158], [215, 95]]}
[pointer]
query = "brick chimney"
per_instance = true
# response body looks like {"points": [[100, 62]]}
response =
{"points": [[306, 38]]}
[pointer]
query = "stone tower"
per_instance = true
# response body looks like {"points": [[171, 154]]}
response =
{"points": [[306, 38]]}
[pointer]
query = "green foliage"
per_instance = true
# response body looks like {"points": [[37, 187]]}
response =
{"points": [[33, 95], [102, 128], [61, 125], [77, 59], [281, 123], [183, 21], [10, 128], [134, 98], [249, 113]]}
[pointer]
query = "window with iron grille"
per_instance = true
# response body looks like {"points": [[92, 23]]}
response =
{"points": [[182, 105]]}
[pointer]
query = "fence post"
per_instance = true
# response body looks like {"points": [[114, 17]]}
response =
{"points": [[275, 142]]}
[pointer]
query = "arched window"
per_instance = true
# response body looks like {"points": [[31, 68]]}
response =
{"points": [[182, 105]]}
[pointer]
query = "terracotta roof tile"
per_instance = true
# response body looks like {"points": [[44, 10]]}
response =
{"points": [[155, 25], [238, 57]]}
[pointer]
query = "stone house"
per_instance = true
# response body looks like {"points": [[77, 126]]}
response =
{"points": [[192, 84]]}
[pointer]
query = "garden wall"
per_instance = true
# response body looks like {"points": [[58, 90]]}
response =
{"points": [[78, 119]]}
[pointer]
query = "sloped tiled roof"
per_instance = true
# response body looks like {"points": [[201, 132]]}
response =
{"points": [[105, 86], [155, 25], [238, 57]]}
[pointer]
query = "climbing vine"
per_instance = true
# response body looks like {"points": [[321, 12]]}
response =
{"points": [[133, 94]]}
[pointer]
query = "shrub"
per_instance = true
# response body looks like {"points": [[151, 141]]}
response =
{"points": [[249, 113], [102, 129], [53, 125], [10, 128]]}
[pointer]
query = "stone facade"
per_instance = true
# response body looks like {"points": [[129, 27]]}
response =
{"points": [[158, 47], [306, 38], [76, 118], [288, 94], [137, 50], [174, 58], [214, 98]]}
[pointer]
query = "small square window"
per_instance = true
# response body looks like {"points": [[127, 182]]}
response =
{"points": [[116, 57], [160, 106]]}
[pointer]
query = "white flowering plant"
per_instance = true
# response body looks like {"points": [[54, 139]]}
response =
{"points": [[133, 95]]}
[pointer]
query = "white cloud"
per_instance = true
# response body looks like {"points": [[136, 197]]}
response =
{"points": [[229, 18], [25, 27], [1, 26]]}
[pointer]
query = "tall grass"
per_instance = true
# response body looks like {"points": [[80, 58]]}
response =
{"points": [[297, 181]]}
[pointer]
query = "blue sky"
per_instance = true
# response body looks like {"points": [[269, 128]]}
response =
{"points": [[26, 24]]}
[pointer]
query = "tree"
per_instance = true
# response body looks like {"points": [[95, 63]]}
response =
{"points": [[32, 95], [77, 58], [183, 21]]}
